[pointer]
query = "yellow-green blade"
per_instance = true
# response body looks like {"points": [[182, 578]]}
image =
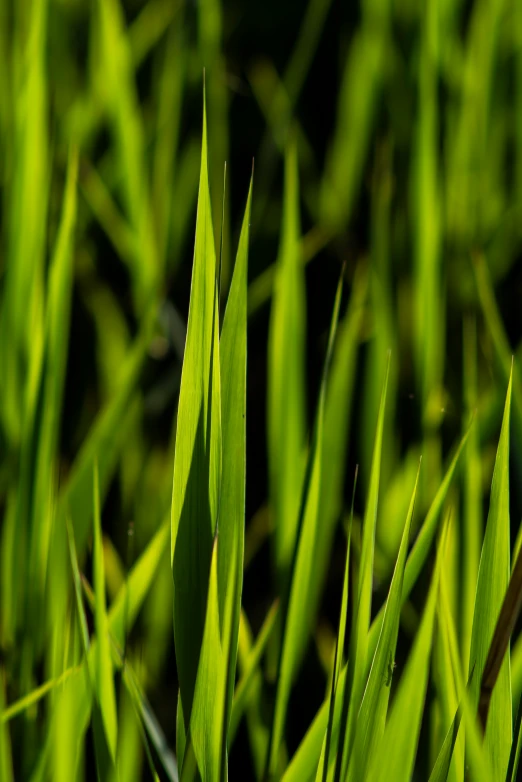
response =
{"points": [[104, 681], [399, 742], [421, 548], [358, 652], [372, 714], [286, 426], [251, 668], [298, 616], [197, 460], [322, 769], [231, 521], [493, 579], [206, 721]]}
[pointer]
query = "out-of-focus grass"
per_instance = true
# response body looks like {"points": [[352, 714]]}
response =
{"points": [[388, 145]]}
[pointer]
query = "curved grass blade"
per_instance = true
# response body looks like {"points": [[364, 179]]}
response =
{"points": [[516, 749], [399, 742], [307, 755], [197, 460], [493, 578], [372, 714], [251, 667], [421, 548], [322, 769], [358, 652], [297, 616], [507, 619]]}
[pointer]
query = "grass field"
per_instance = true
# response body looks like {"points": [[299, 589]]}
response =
{"points": [[260, 390]]}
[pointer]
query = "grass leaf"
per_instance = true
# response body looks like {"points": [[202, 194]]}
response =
{"points": [[493, 578]]}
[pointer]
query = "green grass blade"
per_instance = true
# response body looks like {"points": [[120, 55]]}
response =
{"points": [[516, 749], [231, 522], [322, 769], [104, 681], [120, 94], [6, 760], [399, 743], [151, 724], [286, 378], [505, 626], [493, 578], [337, 419], [251, 667], [130, 598], [372, 714], [421, 548], [207, 716], [473, 523], [358, 652], [197, 461], [297, 618]]}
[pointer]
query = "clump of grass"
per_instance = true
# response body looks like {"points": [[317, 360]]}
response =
{"points": [[116, 657]]}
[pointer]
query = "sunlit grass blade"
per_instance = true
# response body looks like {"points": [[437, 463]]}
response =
{"points": [[57, 318], [26, 218], [421, 548], [337, 419], [126, 605], [493, 578], [442, 765], [372, 714], [297, 612], [104, 681], [358, 651], [399, 742], [231, 521], [251, 667], [150, 724], [207, 716], [258, 731], [286, 426], [122, 102], [322, 769], [359, 89], [505, 626], [516, 749], [473, 523], [197, 461]]}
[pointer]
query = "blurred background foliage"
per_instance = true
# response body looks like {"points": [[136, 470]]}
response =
{"points": [[405, 121]]}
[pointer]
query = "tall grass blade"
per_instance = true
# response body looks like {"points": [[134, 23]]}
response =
{"points": [[104, 681], [286, 425], [197, 461], [399, 742], [297, 616], [492, 585], [372, 714], [231, 521]]}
